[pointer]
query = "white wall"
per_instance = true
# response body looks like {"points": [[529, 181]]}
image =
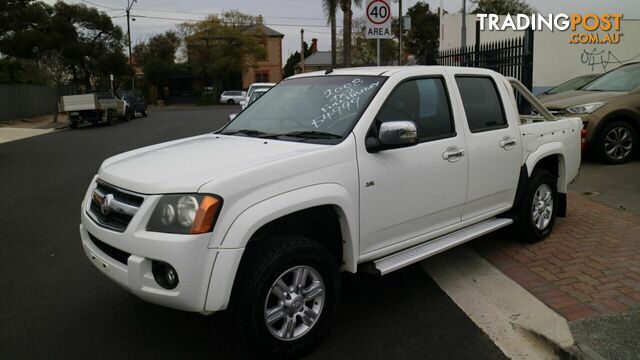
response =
{"points": [[554, 59]]}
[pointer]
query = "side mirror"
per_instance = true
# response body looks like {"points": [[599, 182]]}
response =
{"points": [[232, 116], [393, 134]]}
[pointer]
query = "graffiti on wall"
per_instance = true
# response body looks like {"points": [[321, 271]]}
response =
{"points": [[601, 60]]}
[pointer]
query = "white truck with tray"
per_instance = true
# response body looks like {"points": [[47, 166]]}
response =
{"points": [[94, 107]]}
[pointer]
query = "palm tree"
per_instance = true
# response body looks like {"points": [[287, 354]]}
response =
{"points": [[330, 7], [346, 6]]}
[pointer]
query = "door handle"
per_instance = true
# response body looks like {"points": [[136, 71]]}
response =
{"points": [[453, 154], [507, 143]]}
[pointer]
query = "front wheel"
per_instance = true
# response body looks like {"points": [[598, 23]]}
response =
{"points": [[538, 209], [617, 143], [145, 112], [285, 295], [230, 102]]}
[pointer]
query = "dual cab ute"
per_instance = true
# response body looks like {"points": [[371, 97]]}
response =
{"points": [[361, 169]]}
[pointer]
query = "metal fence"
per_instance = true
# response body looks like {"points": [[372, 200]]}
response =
{"points": [[510, 57], [19, 101]]}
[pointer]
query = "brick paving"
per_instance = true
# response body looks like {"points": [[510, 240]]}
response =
{"points": [[590, 264]]}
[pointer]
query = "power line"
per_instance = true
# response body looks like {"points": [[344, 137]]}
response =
{"points": [[196, 20], [98, 5]]}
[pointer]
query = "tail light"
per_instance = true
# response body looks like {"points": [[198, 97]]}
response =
{"points": [[583, 139]]}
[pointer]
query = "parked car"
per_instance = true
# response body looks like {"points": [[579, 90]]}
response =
{"points": [[363, 169], [232, 96], [137, 103], [95, 107], [573, 84], [255, 95], [609, 107], [255, 86]]}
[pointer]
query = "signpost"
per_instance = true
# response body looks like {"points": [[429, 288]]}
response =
{"points": [[378, 22]]}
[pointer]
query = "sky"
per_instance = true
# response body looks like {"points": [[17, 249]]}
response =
{"points": [[289, 16]]}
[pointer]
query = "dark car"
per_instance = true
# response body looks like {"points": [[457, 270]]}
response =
{"points": [[136, 102]]}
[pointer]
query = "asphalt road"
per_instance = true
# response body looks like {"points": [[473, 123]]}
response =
{"points": [[56, 305]]}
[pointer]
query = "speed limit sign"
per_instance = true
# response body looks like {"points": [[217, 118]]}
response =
{"points": [[378, 19]]}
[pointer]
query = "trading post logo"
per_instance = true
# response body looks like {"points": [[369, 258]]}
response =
{"points": [[583, 27]]}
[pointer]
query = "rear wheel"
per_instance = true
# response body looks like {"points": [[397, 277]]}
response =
{"points": [[230, 102], [537, 213], [616, 143], [73, 123], [109, 117], [285, 295]]}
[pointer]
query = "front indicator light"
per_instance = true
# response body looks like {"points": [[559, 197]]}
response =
{"points": [[185, 214]]}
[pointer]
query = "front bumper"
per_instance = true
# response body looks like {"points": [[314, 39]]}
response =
{"points": [[127, 257]]}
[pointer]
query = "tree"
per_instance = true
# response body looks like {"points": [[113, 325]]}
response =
{"points": [[290, 66], [157, 57], [330, 8], [422, 40], [347, 22], [67, 41], [222, 48], [502, 7], [364, 51]]}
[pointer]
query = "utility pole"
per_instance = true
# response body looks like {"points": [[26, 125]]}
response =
{"points": [[133, 77], [302, 51], [399, 32], [463, 35]]}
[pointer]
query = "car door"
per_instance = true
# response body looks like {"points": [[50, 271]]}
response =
{"points": [[411, 191], [493, 144]]}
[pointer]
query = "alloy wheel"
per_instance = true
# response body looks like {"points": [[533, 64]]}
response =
{"points": [[618, 143], [294, 303], [542, 208]]}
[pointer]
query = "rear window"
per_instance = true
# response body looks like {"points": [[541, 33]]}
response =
{"points": [[482, 103]]}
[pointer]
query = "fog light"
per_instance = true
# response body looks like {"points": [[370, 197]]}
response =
{"points": [[165, 275]]}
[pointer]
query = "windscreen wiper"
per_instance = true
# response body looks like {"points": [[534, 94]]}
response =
{"points": [[248, 132], [308, 134]]}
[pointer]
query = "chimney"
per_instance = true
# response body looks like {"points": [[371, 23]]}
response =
{"points": [[314, 46], [259, 20]]}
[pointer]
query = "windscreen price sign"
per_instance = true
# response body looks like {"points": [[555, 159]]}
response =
{"points": [[378, 19]]}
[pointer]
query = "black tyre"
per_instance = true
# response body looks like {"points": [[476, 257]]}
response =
{"points": [[616, 143], [129, 113], [230, 102], [285, 295], [73, 123], [145, 112], [110, 117], [537, 213]]}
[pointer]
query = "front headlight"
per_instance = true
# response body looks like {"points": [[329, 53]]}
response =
{"points": [[185, 214], [585, 108]]}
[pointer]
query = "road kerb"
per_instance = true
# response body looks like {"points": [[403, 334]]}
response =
{"points": [[518, 323]]}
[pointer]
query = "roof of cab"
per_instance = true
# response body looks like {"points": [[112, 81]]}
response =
{"points": [[372, 71]]}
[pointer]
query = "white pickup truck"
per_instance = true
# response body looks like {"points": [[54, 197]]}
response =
{"points": [[94, 107], [360, 169]]}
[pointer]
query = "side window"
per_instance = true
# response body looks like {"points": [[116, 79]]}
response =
{"points": [[482, 103], [425, 102]]}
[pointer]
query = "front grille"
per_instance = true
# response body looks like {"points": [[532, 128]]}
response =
{"points": [[116, 254], [117, 217]]}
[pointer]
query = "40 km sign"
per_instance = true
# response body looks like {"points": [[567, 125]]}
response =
{"points": [[378, 19]]}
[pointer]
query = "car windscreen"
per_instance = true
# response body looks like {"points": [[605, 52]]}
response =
{"points": [[624, 78], [319, 107], [572, 84]]}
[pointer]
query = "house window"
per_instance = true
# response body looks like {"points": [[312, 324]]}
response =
{"points": [[262, 76]]}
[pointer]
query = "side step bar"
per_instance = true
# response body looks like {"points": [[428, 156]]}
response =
{"points": [[422, 251]]}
